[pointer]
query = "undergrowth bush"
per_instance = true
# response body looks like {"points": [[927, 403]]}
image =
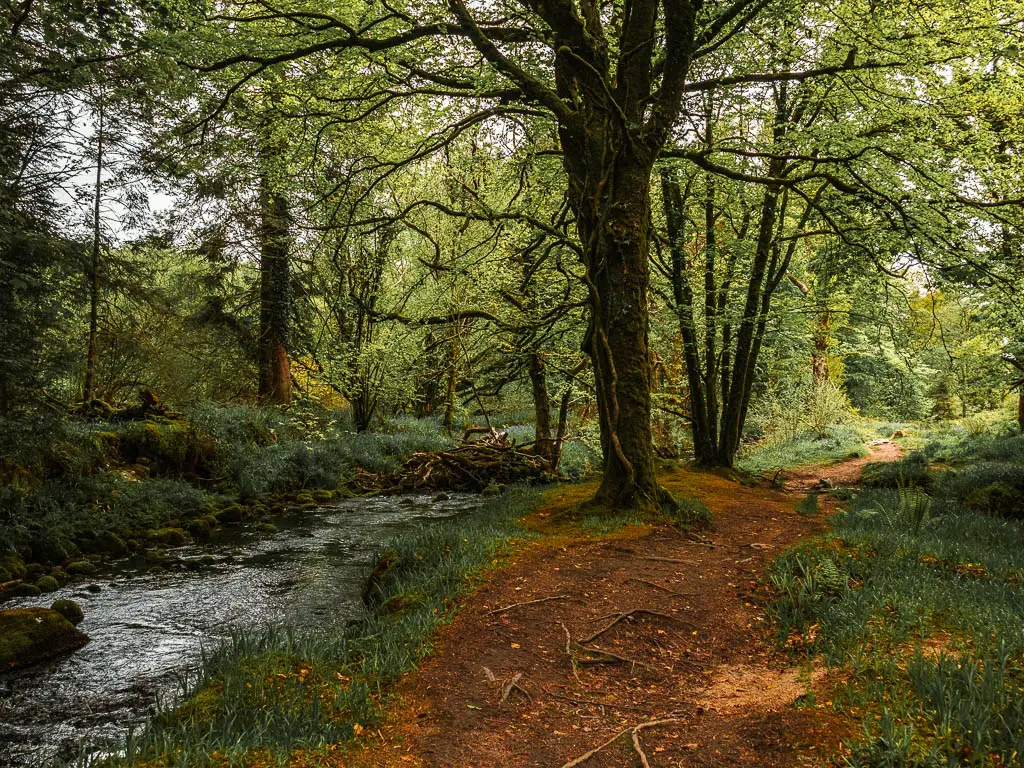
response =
{"points": [[63, 482], [912, 471]]}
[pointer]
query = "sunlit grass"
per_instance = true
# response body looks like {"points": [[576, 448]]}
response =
{"points": [[842, 442]]}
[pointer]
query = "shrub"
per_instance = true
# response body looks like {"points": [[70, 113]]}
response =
{"points": [[911, 471]]}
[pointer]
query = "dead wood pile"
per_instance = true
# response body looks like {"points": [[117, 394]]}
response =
{"points": [[471, 466]]}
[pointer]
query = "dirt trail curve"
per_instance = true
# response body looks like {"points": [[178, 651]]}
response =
{"points": [[654, 637]]}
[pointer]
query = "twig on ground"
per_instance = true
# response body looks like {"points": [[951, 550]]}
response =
{"points": [[513, 685], [527, 602], [660, 586], [668, 560]]}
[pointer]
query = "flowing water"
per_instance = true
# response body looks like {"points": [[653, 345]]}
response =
{"points": [[147, 629]]}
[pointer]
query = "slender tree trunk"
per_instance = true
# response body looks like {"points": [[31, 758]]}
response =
{"points": [[819, 354], [544, 445], [92, 352], [275, 297], [452, 382]]}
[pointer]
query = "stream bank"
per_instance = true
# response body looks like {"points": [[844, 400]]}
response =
{"points": [[150, 630]]}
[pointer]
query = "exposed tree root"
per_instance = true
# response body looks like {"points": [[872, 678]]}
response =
{"points": [[626, 615], [662, 587], [592, 702], [527, 602], [635, 737]]}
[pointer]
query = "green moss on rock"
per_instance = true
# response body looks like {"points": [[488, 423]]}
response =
{"points": [[235, 513], [169, 537], [47, 584], [13, 566], [81, 568], [25, 590], [70, 610], [31, 635]]}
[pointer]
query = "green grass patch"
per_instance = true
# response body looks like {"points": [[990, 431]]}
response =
{"points": [[842, 442], [310, 688], [921, 601]]}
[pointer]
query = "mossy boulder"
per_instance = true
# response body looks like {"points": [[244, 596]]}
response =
{"points": [[47, 584], [25, 590], [50, 549], [109, 543], [494, 489], [169, 537], [70, 610], [235, 513], [31, 635], [170, 447], [323, 495], [266, 528], [200, 528], [81, 568], [12, 566], [305, 497]]}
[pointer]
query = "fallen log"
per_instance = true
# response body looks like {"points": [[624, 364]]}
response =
{"points": [[471, 466]]}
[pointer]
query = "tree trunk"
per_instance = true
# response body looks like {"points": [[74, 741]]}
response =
{"points": [[275, 385], [612, 206], [452, 381], [92, 352], [544, 446]]}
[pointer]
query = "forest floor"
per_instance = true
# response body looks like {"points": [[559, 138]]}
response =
{"points": [[645, 647]]}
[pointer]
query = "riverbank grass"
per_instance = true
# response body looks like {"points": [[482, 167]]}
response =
{"points": [[264, 698]]}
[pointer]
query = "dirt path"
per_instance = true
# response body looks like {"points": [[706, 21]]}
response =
{"points": [[843, 473], [511, 685]]}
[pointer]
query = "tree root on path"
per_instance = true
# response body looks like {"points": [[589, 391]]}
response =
{"points": [[579, 654], [527, 602], [660, 586], [628, 614], [592, 702], [634, 732]]}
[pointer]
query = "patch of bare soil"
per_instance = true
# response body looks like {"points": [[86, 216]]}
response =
{"points": [[646, 648]]}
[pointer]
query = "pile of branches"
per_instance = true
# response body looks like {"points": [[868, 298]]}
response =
{"points": [[472, 466]]}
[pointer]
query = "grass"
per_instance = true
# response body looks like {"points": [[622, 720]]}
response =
{"points": [[842, 442], [920, 599], [267, 696]]}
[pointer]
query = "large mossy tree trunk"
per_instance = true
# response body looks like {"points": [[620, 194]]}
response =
{"points": [[618, 89], [611, 201], [275, 383]]}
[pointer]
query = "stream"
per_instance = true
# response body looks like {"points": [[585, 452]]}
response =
{"points": [[148, 629]]}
